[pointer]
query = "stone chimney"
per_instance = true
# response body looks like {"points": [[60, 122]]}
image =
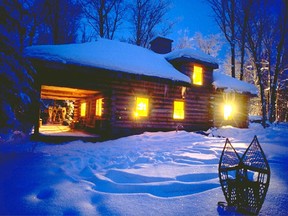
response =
{"points": [[161, 45]]}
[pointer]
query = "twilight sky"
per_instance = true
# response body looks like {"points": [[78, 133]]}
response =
{"points": [[195, 15]]}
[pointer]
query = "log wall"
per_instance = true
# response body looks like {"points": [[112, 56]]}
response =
{"points": [[119, 91], [119, 105]]}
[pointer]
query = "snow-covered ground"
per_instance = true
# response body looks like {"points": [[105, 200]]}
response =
{"points": [[161, 173]]}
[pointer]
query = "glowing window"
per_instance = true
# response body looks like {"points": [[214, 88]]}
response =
{"points": [[178, 110], [99, 107], [83, 110], [197, 75], [141, 106], [227, 111]]}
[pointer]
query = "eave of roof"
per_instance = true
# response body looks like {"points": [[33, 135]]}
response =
{"points": [[109, 55], [191, 55]]}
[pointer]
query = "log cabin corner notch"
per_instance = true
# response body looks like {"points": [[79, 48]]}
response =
{"points": [[120, 89]]}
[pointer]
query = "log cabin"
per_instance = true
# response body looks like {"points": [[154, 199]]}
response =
{"points": [[120, 89]]}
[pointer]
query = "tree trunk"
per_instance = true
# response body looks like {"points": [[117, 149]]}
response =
{"points": [[273, 98], [233, 60], [280, 47], [242, 61], [262, 96], [101, 19], [243, 40]]}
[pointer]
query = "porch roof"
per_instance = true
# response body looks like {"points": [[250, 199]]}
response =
{"points": [[65, 93], [229, 84]]}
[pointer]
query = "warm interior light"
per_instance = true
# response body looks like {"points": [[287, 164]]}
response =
{"points": [[83, 110], [178, 110], [227, 111], [99, 107], [197, 75], [141, 106]]}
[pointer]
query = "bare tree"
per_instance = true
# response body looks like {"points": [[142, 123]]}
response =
{"points": [[242, 15], [61, 18], [267, 31], [51, 21], [257, 27], [146, 18], [105, 16], [267, 43], [225, 16], [281, 46], [210, 44], [184, 40]]}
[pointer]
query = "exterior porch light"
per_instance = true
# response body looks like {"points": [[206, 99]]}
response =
{"points": [[228, 110]]}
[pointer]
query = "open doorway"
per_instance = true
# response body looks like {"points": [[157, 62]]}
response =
{"points": [[60, 110]]}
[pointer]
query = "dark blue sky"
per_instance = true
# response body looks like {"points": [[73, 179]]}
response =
{"points": [[195, 15]]}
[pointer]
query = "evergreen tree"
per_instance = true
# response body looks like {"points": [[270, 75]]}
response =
{"points": [[16, 75]]}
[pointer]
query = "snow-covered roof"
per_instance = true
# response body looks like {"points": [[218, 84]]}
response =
{"points": [[111, 55], [228, 83], [159, 37], [191, 54]]}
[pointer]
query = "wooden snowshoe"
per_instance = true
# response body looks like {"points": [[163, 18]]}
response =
{"points": [[228, 168], [248, 187]]}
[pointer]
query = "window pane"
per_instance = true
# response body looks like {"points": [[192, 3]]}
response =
{"points": [[99, 107], [178, 110], [141, 107], [83, 110], [197, 75]]}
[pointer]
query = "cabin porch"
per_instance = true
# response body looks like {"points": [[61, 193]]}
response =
{"points": [[60, 114]]}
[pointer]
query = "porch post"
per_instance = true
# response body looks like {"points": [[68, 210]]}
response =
{"points": [[37, 106]]}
